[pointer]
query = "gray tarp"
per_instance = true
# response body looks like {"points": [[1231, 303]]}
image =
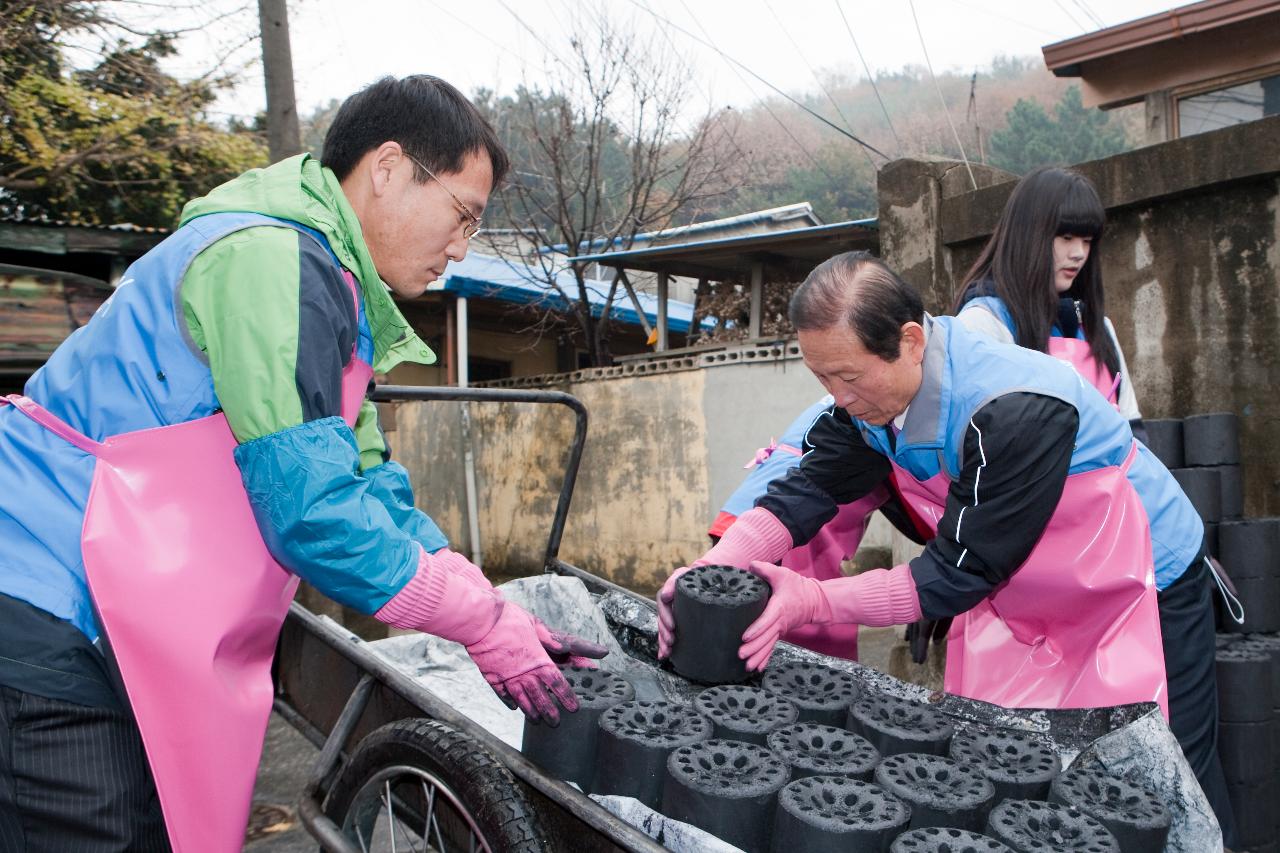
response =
{"points": [[1131, 741]]}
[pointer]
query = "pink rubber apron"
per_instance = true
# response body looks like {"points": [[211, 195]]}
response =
{"points": [[191, 602], [1076, 353], [1077, 625]]}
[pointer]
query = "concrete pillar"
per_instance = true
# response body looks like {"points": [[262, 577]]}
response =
{"points": [[1159, 124], [757, 301], [911, 195]]}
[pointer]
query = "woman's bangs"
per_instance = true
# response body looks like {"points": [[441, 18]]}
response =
{"points": [[1081, 213]]}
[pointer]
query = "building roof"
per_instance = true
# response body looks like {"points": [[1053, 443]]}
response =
{"points": [[792, 253], [785, 218], [59, 237], [1183, 49], [487, 277], [1065, 58]]}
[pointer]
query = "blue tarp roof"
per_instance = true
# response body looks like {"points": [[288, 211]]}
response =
{"points": [[694, 232], [487, 277]]}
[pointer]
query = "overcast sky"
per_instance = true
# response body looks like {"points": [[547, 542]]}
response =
{"points": [[340, 45]]}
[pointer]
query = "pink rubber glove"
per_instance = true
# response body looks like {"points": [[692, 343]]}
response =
{"points": [[756, 535], [565, 649], [512, 659], [445, 598], [568, 649], [877, 598], [449, 600]]}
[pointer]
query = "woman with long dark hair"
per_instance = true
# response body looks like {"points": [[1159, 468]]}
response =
{"points": [[1038, 283]]}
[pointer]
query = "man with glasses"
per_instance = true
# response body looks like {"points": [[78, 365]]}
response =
{"points": [[204, 441]]}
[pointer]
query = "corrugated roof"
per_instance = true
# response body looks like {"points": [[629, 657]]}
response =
{"points": [[126, 227], [801, 210], [488, 277], [793, 252]]}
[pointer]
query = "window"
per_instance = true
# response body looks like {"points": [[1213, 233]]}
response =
{"points": [[487, 369], [1225, 107]]}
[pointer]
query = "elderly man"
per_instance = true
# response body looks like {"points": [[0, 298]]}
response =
{"points": [[1043, 504], [204, 441]]}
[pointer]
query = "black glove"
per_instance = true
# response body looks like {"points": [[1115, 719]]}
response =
{"points": [[919, 634]]}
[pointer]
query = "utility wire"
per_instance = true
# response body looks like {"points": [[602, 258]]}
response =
{"points": [[532, 32], [729, 58], [994, 14], [480, 33], [942, 100], [1089, 13], [816, 78], [702, 89], [1073, 18], [762, 101], [870, 78]]}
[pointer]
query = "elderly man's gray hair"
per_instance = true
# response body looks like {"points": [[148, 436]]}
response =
{"points": [[861, 291]]}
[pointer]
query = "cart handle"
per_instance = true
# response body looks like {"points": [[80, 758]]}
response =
{"points": [[396, 393]]}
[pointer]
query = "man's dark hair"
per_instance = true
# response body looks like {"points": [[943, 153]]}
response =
{"points": [[858, 289], [432, 121]]}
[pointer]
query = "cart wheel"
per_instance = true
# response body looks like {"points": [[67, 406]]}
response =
{"points": [[419, 785]]}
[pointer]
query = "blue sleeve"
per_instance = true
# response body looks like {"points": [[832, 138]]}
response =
{"points": [[323, 520], [389, 483], [779, 462]]}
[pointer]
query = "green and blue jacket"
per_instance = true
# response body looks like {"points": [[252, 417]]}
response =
{"points": [[243, 310]]}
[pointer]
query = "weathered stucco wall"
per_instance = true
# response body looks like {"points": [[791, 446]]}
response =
{"points": [[1191, 264], [664, 450]]}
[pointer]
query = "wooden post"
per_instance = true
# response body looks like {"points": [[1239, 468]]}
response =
{"points": [[635, 303], [757, 300], [663, 281], [702, 291]]}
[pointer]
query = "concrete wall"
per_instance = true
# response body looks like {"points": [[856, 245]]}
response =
{"points": [[665, 448], [1191, 264]]}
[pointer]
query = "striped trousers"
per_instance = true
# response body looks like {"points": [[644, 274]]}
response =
{"points": [[73, 779]]}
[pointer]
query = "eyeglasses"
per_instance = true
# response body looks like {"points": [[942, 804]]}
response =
{"points": [[472, 227]]}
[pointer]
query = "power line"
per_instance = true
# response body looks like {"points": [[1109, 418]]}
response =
{"points": [[762, 102], [870, 78], [1089, 13], [480, 33], [995, 14], [532, 32], [816, 78], [1073, 18], [945, 111], [729, 58], [705, 91]]}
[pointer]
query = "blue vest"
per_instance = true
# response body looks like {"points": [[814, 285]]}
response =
{"points": [[996, 306], [963, 371], [778, 463], [133, 366]]}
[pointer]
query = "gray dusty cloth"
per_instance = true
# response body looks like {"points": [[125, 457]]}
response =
{"points": [[671, 834]]}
